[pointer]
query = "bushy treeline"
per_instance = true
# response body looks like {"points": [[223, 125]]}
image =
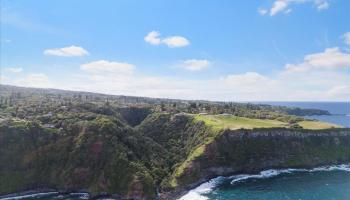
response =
{"points": [[27, 102], [85, 149], [129, 146]]}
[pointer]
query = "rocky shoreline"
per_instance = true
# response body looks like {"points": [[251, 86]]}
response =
{"points": [[172, 195], [97, 154]]}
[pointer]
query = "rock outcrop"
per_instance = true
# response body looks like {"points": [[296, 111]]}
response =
{"points": [[163, 156], [250, 151]]}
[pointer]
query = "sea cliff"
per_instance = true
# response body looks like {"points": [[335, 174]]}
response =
{"points": [[251, 151], [140, 154]]}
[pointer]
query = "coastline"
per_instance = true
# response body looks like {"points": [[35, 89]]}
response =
{"points": [[192, 192], [206, 187]]}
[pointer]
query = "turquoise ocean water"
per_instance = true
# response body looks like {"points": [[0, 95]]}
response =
{"points": [[324, 183], [340, 111]]}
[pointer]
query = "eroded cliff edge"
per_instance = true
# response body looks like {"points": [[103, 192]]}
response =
{"points": [[251, 151], [162, 157]]}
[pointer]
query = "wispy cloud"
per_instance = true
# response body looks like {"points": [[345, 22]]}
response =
{"points": [[330, 59], [284, 6], [322, 4], [153, 38], [262, 11], [71, 51], [249, 86], [14, 69], [346, 37], [103, 67], [38, 80], [195, 64]]}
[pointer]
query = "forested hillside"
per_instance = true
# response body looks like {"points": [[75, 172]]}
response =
{"points": [[131, 147]]}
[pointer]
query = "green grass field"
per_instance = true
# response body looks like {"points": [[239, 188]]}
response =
{"points": [[234, 122], [218, 122], [315, 125]]}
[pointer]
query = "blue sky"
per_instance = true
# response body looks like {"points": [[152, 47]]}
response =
{"points": [[199, 49]]}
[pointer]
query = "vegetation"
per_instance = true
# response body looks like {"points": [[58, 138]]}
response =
{"points": [[130, 146], [316, 125], [234, 122], [219, 122]]}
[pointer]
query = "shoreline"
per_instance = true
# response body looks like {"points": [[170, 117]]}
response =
{"points": [[192, 192], [208, 186]]}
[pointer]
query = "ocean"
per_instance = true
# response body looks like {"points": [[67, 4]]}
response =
{"points": [[340, 111], [324, 183]]}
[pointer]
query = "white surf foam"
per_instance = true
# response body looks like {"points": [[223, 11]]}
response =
{"points": [[199, 192], [29, 196], [275, 172], [263, 174]]}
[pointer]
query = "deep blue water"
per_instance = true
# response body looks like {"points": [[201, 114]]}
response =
{"points": [[333, 107], [340, 110], [291, 184], [325, 184]]}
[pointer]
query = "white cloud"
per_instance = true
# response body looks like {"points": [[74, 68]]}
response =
{"points": [[331, 58], [171, 41], [233, 87], [283, 6], [14, 69], [153, 38], [175, 41], [71, 51], [250, 86], [248, 78], [195, 65], [339, 91], [322, 4], [319, 78], [287, 11], [34, 80], [278, 6], [3, 79], [103, 66], [346, 37], [262, 11]]}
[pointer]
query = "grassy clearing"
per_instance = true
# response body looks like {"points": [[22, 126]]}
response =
{"points": [[178, 172], [316, 125], [218, 122]]}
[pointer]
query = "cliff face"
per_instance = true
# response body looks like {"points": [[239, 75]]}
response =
{"points": [[101, 155], [249, 151], [168, 152]]}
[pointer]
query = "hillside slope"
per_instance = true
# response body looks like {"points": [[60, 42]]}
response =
{"points": [[166, 151], [142, 148]]}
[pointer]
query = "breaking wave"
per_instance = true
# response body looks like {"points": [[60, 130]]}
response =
{"points": [[199, 192], [80, 195]]}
